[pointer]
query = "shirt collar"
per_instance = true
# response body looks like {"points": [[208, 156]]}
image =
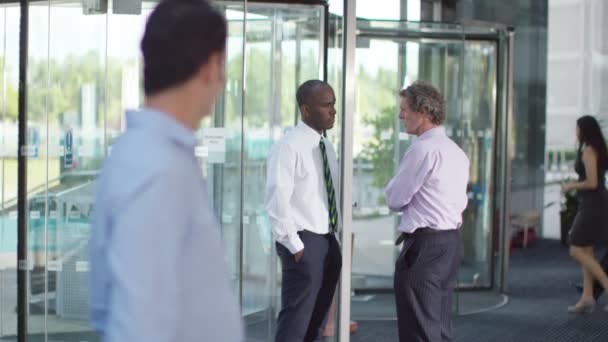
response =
{"points": [[162, 123], [433, 132], [309, 133]]}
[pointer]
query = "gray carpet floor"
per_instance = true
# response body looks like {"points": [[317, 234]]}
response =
{"points": [[540, 279]]}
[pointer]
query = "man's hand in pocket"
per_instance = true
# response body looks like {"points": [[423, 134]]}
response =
{"points": [[298, 255]]}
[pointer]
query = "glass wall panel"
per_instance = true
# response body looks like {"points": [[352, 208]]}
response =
{"points": [[335, 66], [380, 138], [9, 84], [283, 49], [465, 72], [220, 151], [124, 76], [89, 86], [386, 10], [80, 83], [37, 171], [529, 20], [66, 114], [85, 70], [263, 75], [478, 117], [374, 153]]}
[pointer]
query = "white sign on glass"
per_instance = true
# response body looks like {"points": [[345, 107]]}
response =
{"points": [[215, 141], [55, 265], [82, 266]]}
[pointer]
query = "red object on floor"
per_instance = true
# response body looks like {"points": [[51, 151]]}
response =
{"points": [[354, 327], [517, 241]]}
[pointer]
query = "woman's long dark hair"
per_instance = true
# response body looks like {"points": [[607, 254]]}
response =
{"points": [[590, 134]]}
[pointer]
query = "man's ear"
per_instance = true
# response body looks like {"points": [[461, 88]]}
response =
{"points": [[305, 110], [218, 59], [214, 69], [203, 74]]}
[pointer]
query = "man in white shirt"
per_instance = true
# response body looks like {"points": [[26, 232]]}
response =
{"points": [[302, 205], [429, 189]]}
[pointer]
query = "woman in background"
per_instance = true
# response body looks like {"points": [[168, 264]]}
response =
{"points": [[590, 226]]}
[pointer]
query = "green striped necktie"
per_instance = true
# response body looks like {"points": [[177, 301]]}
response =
{"points": [[331, 194]]}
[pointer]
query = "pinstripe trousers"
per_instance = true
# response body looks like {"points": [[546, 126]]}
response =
{"points": [[426, 274], [308, 287]]}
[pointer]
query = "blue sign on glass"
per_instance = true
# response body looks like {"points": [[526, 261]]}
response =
{"points": [[68, 160], [34, 142]]}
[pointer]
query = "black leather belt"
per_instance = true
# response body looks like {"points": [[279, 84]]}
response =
{"points": [[423, 230]]}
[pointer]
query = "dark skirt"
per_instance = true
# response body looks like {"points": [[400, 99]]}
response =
{"points": [[590, 226]]}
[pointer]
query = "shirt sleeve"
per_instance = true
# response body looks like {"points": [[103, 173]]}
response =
{"points": [[414, 169], [145, 260], [98, 275], [279, 189]]}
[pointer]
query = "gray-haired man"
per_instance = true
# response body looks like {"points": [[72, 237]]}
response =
{"points": [[430, 190]]}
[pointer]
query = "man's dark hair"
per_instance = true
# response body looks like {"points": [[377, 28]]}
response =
{"points": [[306, 89], [424, 98], [180, 36]]}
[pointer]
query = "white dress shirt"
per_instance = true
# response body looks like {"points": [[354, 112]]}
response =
{"points": [[296, 196], [430, 187], [158, 270]]}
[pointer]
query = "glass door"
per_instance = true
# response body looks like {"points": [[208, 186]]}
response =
{"points": [[389, 56], [80, 82], [283, 46]]}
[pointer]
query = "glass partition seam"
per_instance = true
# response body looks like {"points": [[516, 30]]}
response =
{"points": [[507, 154], [2, 153], [495, 175], [346, 148], [499, 171], [46, 183], [22, 252], [503, 107], [276, 33], [325, 21], [463, 123], [413, 36], [106, 92], [401, 77], [493, 180], [291, 2], [506, 55], [242, 162], [298, 69]]}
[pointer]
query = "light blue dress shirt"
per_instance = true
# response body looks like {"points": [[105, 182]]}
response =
{"points": [[158, 268]]}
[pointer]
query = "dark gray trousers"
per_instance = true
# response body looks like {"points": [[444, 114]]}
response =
{"points": [[426, 274], [308, 287]]}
